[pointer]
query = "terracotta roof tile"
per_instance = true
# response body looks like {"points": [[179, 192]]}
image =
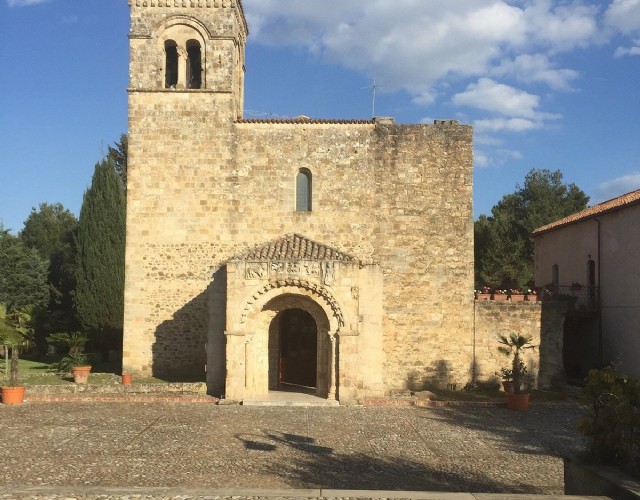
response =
{"points": [[623, 201], [294, 247]]}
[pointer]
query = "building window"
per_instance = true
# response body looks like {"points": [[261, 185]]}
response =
{"points": [[303, 191], [171, 64], [194, 65], [555, 275]]}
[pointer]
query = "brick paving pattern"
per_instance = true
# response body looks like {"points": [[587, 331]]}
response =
{"points": [[126, 445]]}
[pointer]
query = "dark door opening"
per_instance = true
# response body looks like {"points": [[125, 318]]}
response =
{"points": [[297, 357]]}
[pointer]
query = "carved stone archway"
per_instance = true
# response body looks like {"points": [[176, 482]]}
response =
{"points": [[290, 272]]}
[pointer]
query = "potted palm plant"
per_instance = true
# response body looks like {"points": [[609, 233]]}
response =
{"points": [[514, 345], [76, 360], [16, 334]]}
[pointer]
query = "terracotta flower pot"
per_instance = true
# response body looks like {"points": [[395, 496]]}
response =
{"points": [[13, 395], [81, 374], [518, 402], [126, 379]]}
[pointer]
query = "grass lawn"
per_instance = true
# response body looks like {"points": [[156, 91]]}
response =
{"points": [[43, 370]]}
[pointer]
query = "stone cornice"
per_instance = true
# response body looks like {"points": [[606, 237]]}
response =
{"points": [[200, 4]]}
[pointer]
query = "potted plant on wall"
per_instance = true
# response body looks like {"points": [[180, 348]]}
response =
{"points": [[506, 374], [17, 335], [76, 360], [514, 345]]}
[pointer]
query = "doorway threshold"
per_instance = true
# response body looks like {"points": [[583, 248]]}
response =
{"points": [[289, 398]]}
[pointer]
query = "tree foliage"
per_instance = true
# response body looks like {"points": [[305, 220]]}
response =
{"points": [[503, 243], [118, 155], [23, 274], [51, 230], [99, 297]]}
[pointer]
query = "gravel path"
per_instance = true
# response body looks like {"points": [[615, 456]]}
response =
{"points": [[461, 449]]}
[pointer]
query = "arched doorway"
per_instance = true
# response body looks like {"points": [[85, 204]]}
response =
{"points": [[297, 349]]}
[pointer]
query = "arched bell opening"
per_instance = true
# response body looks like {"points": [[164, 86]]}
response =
{"points": [[171, 64], [194, 65]]}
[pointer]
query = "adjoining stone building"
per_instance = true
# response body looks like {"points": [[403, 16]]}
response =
{"points": [[590, 259], [321, 253]]}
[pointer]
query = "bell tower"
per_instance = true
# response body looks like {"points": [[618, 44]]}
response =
{"points": [[188, 46], [185, 95]]}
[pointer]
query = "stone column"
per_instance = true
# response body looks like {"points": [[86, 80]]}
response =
{"points": [[332, 367], [182, 68], [236, 365]]}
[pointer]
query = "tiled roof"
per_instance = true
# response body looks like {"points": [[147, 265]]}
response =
{"points": [[623, 201], [304, 120], [294, 247]]}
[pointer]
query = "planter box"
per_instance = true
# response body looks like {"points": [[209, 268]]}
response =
{"points": [[596, 480]]}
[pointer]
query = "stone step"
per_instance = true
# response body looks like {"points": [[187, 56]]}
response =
{"points": [[270, 402]]}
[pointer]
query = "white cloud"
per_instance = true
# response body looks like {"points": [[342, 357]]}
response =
{"points": [[561, 27], [628, 51], [494, 158], [535, 68], [506, 124], [624, 16], [413, 44], [25, 3], [496, 97], [617, 187]]}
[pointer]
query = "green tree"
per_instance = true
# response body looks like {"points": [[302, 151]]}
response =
{"points": [[51, 230], [118, 154], [99, 297], [23, 274], [503, 243]]}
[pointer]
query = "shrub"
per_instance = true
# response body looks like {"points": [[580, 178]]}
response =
{"points": [[612, 421]]}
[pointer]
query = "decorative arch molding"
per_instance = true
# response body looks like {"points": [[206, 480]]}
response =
{"points": [[190, 21], [266, 292]]}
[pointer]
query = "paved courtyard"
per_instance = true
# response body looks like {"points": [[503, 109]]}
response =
{"points": [[461, 449]]}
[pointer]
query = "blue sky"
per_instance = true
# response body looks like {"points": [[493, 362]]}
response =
{"points": [[546, 84]]}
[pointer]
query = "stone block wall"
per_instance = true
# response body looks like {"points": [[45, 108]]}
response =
{"points": [[205, 185], [544, 322]]}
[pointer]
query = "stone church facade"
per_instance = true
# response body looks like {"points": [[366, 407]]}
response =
{"points": [[335, 255]]}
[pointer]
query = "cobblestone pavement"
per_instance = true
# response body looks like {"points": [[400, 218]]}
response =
{"points": [[127, 445]]}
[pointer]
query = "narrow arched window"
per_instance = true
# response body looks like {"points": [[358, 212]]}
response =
{"points": [[555, 275], [194, 65], [171, 64], [303, 191]]}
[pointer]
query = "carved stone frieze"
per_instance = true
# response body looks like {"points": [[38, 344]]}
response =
{"points": [[322, 271]]}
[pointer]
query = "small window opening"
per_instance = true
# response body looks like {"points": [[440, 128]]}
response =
{"points": [[194, 65], [555, 275], [171, 64], [303, 191]]}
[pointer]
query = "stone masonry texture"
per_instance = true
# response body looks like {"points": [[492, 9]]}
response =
{"points": [[205, 186]]}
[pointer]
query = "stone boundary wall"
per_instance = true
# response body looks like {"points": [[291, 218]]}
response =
{"points": [[543, 321]]}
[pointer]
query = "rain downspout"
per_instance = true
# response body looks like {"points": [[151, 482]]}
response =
{"points": [[599, 298]]}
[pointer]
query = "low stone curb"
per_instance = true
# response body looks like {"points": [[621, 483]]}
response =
{"points": [[121, 398], [91, 492], [446, 404], [193, 388]]}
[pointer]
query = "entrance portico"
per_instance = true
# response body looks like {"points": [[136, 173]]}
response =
{"points": [[291, 321]]}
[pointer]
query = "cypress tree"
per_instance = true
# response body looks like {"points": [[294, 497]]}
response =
{"points": [[99, 296]]}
